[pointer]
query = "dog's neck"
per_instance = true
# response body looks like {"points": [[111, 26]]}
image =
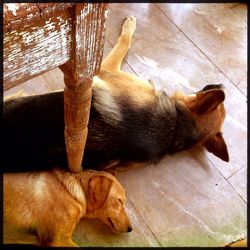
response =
{"points": [[73, 185], [77, 186], [185, 133]]}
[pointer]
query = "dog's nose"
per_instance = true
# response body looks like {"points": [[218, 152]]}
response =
{"points": [[129, 229]]}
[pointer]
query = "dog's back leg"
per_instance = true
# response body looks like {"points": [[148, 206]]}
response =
{"points": [[114, 60]]}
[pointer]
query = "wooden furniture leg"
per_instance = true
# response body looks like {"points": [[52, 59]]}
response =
{"points": [[89, 21]]}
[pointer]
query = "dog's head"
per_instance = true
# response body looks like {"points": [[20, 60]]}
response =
{"points": [[208, 111], [106, 201]]}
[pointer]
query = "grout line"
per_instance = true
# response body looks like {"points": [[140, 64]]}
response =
{"points": [[245, 74], [236, 171], [228, 182], [233, 186], [199, 49], [226, 178], [144, 222], [235, 4], [237, 13], [125, 60]]}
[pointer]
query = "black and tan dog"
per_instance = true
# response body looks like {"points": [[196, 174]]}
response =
{"points": [[129, 121]]}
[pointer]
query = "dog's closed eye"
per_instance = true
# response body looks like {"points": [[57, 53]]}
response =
{"points": [[120, 201], [111, 222]]}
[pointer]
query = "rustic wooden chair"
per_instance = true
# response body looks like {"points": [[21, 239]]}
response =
{"points": [[40, 37]]}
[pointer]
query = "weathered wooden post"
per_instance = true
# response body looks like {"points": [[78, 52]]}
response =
{"points": [[88, 31]]}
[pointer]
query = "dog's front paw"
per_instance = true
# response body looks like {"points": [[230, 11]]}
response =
{"points": [[129, 25]]}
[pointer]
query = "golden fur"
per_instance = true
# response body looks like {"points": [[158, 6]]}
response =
{"points": [[50, 204]]}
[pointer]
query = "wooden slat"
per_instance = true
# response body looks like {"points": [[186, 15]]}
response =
{"points": [[47, 9], [19, 14], [86, 55], [35, 48]]}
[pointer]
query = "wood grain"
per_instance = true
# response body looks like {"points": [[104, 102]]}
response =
{"points": [[86, 55], [36, 46]]}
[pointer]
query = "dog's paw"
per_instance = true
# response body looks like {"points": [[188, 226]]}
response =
{"points": [[129, 25]]}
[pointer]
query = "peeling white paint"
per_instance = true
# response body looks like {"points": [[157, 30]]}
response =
{"points": [[48, 46], [13, 7], [35, 60], [29, 16]]}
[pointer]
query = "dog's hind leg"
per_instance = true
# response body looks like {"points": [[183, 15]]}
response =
{"points": [[114, 60]]}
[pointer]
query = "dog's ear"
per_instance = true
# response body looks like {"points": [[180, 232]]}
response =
{"points": [[99, 187], [207, 100], [217, 146]]}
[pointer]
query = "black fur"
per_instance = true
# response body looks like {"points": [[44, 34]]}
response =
{"points": [[212, 86], [33, 135], [34, 132]]}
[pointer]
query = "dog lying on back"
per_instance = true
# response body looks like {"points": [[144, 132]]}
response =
{"points": [[48, 205], [129, 120]]}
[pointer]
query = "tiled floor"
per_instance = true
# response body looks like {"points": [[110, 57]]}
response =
{"points": [[192, 198]]}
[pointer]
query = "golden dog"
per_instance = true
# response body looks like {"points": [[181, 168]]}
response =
{"points": [[49, 204]]}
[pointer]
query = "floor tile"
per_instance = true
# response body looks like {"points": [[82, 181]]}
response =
{"points": [[107, 48], [185, 202], [242, 85], [235, 136], [241, 9], [231, 5], [239, 182], [217, 31], [37, 85], [92, 232], [185, 68], [54, 79], [149, 24]]}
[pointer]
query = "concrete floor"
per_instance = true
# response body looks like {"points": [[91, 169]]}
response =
{"points": [[191, 198]]}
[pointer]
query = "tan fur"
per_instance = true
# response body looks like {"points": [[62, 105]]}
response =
{"points": [[141, 92], [121, 83], [52, 203], [209, 123]]}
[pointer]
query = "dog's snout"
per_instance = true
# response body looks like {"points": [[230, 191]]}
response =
{"points": [[129, 229]]}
